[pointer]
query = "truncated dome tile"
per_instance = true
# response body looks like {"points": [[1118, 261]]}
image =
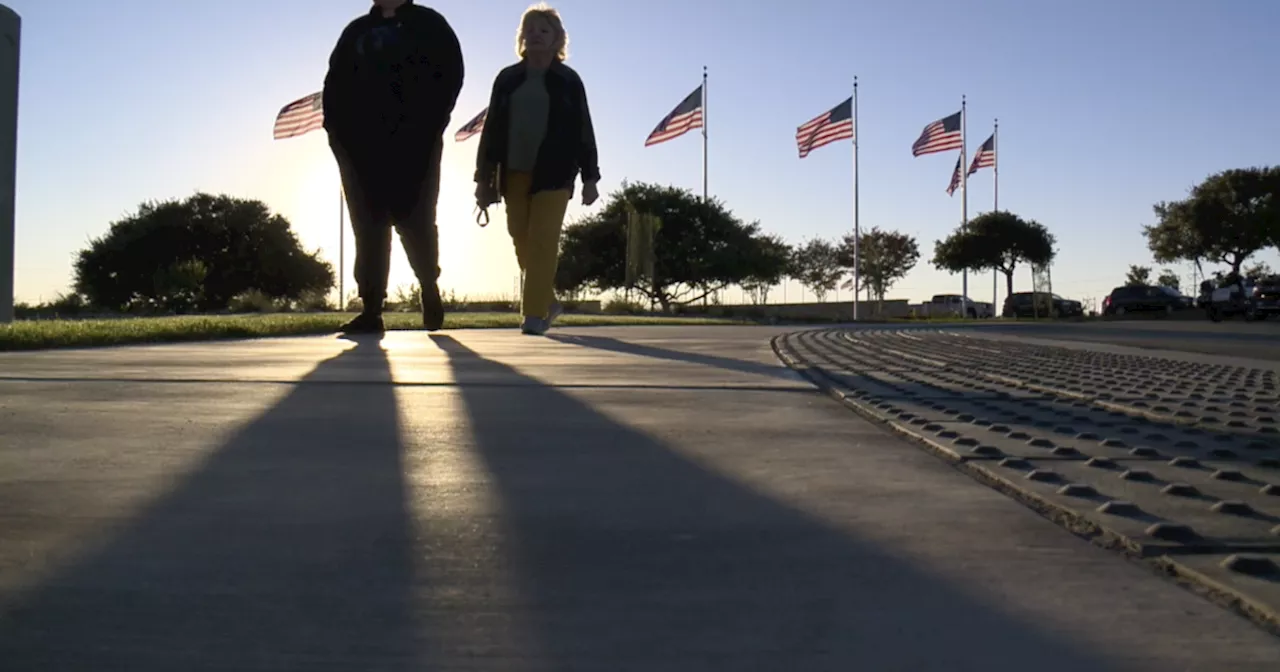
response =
{"points": [[1163, 451]]}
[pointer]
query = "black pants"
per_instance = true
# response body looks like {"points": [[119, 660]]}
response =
{"points": [[372, 221]]}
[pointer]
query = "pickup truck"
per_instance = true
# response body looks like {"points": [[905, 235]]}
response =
{"points": [[954, 305], [1252, 299]]}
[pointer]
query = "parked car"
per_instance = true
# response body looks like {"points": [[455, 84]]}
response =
{"points": [[1040, 304], [1254, 300], [1144, 299], [954, 305]]}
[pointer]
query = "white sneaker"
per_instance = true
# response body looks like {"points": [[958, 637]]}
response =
{"points": [[556, 311]]}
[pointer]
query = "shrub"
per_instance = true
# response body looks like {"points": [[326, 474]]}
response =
{"points": [[315, 301], [408, 299], [254, 301], [623, 307]]}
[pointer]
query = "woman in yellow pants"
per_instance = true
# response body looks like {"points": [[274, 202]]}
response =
{"points": [[537, 138]]}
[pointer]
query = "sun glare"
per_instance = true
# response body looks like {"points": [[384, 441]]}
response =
{"points": [[478, 263]]}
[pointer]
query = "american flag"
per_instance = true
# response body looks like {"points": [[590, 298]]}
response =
{"points": [[830, 126], [299, 117], [939, 136], [986, 156], [684, 118], [955, 179], [473, 127]]}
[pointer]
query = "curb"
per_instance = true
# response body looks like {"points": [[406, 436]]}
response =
{"points": [[1219, 593], [977, 468], [1076, 523], [819, 379]]}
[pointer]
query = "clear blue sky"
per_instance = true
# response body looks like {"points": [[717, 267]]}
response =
{"points": [[1104, 108]]}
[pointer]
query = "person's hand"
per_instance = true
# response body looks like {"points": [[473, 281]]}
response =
{"points": [[589, 193], [486, 194]]}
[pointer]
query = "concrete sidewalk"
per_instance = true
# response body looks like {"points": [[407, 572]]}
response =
{"points": [[602, 499]]}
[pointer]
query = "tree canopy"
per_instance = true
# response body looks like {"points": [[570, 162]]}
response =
{"points": [[772, 263], [1258, 271], [1225, 219], [1174, 239], [700, 248], [818, 266], [997, 240], [884, 257], [1138, 276], [1169, 279], [197, 254]]}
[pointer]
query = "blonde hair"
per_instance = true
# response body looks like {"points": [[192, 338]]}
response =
{"points": [[552, 17]]}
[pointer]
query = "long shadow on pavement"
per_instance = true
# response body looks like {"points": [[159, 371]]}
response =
{"points": [[289, 548], [632, 557], [727, 363]]}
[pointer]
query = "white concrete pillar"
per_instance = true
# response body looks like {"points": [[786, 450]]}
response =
{"points": [[10, 46]]}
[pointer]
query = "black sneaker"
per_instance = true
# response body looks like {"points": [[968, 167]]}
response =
{"points": [[364, 323], [432, 309]]}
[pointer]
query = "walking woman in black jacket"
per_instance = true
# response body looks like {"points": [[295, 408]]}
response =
{"points": [[537, 139]]}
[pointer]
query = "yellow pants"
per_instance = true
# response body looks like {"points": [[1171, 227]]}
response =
{"points": [[534, 222]]}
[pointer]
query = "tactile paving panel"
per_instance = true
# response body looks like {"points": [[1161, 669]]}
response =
{"points": [[1211, 506], [1175, 456], [1228, 400]]}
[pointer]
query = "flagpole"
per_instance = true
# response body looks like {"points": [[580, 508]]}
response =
{"points": [[705, 190], [964, 203], [857, 232], [995, 205], [11, 25], [995, 163], [342, 257], [706, 203]]}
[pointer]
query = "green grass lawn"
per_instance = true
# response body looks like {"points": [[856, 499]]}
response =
{"points": [[53, 333], [46, 334]]}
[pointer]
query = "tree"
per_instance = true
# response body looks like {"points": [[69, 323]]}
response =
{"points": [[1138, 275], [1169, 279], [768, 269], [1258, 271], [816, 265], [1174, 238], [589, 258], [701, 248], [1226, 219], [884, 257], [998, 241], [180, 287], [197, 253]]}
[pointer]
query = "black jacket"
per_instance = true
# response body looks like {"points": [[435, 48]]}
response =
{"points": [[391, 87], [569, 146]]}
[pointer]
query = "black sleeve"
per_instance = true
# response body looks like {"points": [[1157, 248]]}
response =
{"points": [[337, 95], [588, 155], [442, 53], [484, 163]]}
